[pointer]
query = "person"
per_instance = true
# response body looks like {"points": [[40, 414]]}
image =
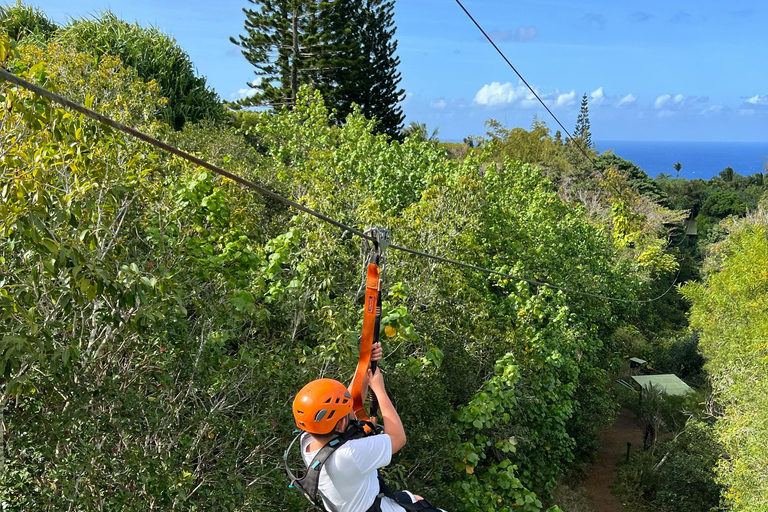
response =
{"points": [[348, 480]]}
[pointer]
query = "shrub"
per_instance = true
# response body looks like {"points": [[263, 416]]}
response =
{"points": [[25, 21], [154, 55]]}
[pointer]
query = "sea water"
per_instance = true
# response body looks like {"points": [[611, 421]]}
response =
{"points": [[702, 160]]}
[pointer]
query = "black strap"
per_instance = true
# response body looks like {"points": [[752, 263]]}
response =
{"points": [[399, 497], [308, 484]]}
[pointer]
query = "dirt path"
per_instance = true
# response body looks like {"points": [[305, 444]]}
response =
{"points": [[613, 446]]}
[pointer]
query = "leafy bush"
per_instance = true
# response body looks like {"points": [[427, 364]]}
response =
{"points": [[729, 311], [686, 473], [155, 56], [722, 204], [25, 21]]}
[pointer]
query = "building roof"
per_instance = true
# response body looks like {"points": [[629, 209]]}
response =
{"points": [[669, 383], [637, 360]]}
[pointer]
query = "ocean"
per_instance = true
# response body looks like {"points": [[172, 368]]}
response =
{"points": [[702, 160]]}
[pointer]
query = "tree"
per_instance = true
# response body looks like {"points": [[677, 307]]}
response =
{"points": [[728, 309], [722, 204], [343, 48], [677, 167], [727, 174], [155, 56], [275, 43], [376, 88], [421, 132], [581, 131]]}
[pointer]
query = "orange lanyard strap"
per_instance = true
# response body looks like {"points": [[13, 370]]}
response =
{"points": [[371, 321]]}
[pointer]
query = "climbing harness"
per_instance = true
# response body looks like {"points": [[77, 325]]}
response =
{"points": [[309, 484], [375, 272]]}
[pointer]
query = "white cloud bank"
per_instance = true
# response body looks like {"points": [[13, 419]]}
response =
{"points": [[667, 100], [758, 99], [439, 104], [597, 96], [500, 95], [627, 100], [566, 99]]}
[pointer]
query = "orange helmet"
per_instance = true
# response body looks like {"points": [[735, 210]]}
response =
{"points": [[320, 405]]}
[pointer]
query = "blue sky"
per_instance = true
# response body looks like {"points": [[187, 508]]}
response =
{"points": [[653, 70]]}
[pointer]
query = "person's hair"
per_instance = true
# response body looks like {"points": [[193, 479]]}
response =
{"points": [[326, 438]]}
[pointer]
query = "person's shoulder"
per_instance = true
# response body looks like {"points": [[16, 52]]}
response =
{"points": [[366, 444]]}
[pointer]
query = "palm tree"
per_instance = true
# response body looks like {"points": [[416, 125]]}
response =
{"points": [[420, 131], [677, 167]]}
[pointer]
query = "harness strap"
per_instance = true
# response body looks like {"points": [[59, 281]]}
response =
{"points": [[371, 320], [308, 484]]}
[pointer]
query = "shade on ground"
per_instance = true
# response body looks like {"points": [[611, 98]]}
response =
{"points": [[668, 383]]}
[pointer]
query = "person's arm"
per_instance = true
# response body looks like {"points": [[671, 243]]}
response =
{"points": [[393, 427]]}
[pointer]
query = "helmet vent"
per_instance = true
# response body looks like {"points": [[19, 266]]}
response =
{"points": [[302, 424], [331, 415], [347, 395], [329, 400], [345, 401], [337, 400], [299, 412], [321, 414]]}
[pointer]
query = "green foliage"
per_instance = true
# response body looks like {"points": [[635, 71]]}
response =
{"points": [[686, 479], [729, 311], [343, 48], [154, 56], [722, 204], [25, 21], [535, 147], [636, 177], [678, 476], [157, 319]]}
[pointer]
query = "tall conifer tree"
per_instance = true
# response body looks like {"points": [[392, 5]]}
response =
{"points": [[276, 43], [377, 89], [344, 48], [582, 124]]}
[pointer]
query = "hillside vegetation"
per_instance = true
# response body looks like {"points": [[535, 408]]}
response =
{"points": [[157, 320]]}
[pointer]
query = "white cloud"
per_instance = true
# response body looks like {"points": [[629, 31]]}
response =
{"points": [[626, 100], [667, 100], [597, 96], [439, 104], [758, 99], [712, 108], [497, 94], [523, 34], [246, 93], [566, 99], [661, 101]]}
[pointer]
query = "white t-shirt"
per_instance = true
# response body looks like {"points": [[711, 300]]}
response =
{"points": [[349, 478]]}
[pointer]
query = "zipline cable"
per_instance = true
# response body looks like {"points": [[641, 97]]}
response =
{"points": [[526, 83], [10, 77]]}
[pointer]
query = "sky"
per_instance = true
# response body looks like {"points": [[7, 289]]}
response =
{"points": [[669, 70]]}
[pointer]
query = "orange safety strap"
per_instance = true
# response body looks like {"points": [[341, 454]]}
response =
{"points": [[372, 310]]}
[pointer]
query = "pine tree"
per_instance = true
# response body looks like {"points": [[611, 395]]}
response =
{"points": [[278, 42], [379, 95], [344, 48], [582, 124], [363, 70]]}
